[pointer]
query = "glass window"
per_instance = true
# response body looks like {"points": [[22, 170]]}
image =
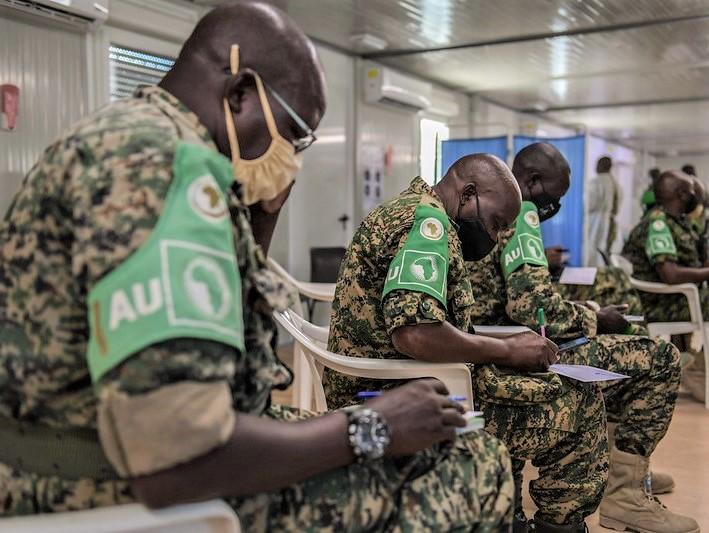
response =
{"points": [[432, 133], [130, 68]]}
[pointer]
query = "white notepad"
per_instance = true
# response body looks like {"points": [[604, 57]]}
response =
{"points": [[578, 276], [585, 373]]}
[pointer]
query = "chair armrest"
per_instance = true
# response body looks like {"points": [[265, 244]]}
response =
{"points": [[499, 332], [213, 515], [689, 290], [322, 292]]}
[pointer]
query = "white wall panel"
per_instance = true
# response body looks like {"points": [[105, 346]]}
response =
{"points": [[49, 67], [700, 162]]}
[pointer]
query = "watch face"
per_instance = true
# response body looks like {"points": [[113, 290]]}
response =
{"points": [[371, 436]]}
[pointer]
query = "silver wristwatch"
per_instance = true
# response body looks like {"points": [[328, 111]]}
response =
{"points": [[368, 434]]}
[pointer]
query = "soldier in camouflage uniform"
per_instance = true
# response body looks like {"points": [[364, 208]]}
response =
{"points": [[665, 247], [514, 283], [380, 310], [611, 287], [136, 328]]}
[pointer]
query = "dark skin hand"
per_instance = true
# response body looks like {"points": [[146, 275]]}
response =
{"points": [[527, 352], [265, 455], [610, 319], [555, 256]]}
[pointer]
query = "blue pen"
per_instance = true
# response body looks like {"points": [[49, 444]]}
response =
{"points": [[377, 393]]}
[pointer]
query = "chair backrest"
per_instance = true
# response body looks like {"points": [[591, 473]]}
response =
{"points": [[325, 263], [207, 517], [621, 262]]}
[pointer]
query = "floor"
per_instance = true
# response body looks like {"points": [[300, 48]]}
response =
{"points": [[683, 453]]}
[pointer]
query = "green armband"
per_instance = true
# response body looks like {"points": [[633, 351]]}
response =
{"points": [[526, 245], [422, 264], [659, 239], [184, 282]]}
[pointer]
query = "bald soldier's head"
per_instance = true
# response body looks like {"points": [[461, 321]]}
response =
{"points": [[676, 192], [544, 177], [271, 45], [481, 196]]}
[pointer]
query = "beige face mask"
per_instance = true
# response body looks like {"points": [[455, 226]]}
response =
{"points": [[266, 176]]}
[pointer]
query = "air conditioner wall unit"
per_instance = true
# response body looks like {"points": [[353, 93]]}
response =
{"points": [[77, 14], [443, 104], [385, 85]]}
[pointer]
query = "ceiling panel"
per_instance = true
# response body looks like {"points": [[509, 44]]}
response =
{"points": [[644, 63], [556, 63], [406, 24], [657, 128]]}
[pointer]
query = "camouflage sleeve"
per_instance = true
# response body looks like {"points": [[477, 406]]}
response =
{"points": [[115, 207], [529, 288]]}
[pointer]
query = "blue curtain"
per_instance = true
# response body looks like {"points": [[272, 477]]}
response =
{"points": [[454, 149], [566, 228]]}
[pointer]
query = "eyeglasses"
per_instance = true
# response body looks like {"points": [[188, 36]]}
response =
{"points": [[298, 144], [309, 138]]}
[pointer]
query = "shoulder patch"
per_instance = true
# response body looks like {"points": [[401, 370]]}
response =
{"points": [[526, 245], [659, 238], [422, 263]]}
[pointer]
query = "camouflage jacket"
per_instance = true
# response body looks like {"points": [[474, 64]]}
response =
{"points": [[362, 319], [84, 208], [515, 300]]}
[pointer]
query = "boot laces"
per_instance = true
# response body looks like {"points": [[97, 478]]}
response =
{"points": [[647, 489]]}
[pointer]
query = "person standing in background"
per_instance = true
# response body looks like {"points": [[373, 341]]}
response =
{"points": [[689, 170], [603, 202], [648, 200]]}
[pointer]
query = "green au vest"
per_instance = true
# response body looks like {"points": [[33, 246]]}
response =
{"points": [[422, 263], [184, 281], [526, 246]]}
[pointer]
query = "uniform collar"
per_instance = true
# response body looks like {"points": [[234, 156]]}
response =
{"points": [[418, 186], [176, 110]]}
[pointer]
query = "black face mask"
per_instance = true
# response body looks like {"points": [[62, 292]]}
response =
{"points": [[691, 204], [474, 238], [547, 205]]}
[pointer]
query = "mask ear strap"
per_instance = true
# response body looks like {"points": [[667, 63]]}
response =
{"points": [[265, 106], [229, 118]]}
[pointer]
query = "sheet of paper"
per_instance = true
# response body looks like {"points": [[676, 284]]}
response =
{"points": [[475, 421], [585, 373], [578, 276]]}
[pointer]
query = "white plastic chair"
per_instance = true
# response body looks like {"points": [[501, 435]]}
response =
{"points": [[208, 517], [499, 332], [696, 324], [321, 292], [312, 340]]}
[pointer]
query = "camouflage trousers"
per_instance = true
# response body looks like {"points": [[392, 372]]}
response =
{"points": [[461, 486], [465, 485], [643, 405], [557, 424], [611, 287]]}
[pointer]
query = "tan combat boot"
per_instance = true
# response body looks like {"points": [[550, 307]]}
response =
{"points": [[661, 483], [628, 502], [693, 376]]}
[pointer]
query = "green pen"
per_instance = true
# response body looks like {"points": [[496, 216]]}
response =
{"points": [[541, 320]]}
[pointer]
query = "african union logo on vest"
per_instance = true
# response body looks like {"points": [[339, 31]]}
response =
{"points": [[420, 269]]}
